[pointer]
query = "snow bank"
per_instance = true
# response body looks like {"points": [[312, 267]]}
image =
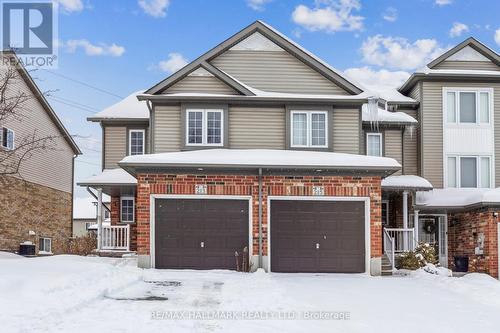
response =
{"points": [[9, 255], [406, 181], [432, 269]]}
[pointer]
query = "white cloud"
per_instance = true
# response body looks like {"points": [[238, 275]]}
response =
{"points": [[390, 14], [155, 8], [329, 16], [397, 52], [69, 6], [90, 49], [173, 63], [458, 29], [443, 2], [497, 36], [377, 79], [257, 4]]}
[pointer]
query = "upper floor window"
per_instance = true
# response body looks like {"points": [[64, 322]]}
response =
{"points": [[137, 142], [127, 209], [374, 144], [309, 129], [7, 138], [204, 127], [468, 171], [468, 106]]}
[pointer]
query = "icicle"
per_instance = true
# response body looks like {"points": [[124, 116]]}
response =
{"points": [[373, 112], [411, 129]]}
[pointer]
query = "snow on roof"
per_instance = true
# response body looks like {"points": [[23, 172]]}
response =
{"points": [[85, 208], [262, 158], [427, 70], [129, 107], [454, 197], [110, 177], [385, 116], [390, 95], [406, 182]]}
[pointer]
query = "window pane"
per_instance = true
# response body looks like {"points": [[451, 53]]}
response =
{"points": [[318, 128], [127, 213], [373, 145], [451, 107], [484, 108], [485, 172], [214, 127], [452, 172], [299, 129], [195, 127], [136, 143], [467, 107], [468, 172]]}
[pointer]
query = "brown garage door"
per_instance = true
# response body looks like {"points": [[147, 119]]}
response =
{"points": [[317, 236], [199, 233]]}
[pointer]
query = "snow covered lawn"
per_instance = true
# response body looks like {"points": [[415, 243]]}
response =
{"points": [[89, 294]]}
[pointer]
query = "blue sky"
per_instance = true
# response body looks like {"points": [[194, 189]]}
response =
{"points": [[122, 46]]}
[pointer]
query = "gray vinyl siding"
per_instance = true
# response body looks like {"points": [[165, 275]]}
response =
{"points": [[257, 127], [275, 71], [115, 145], [51, 167], [346, 131], [432, 128], [201, 84], [393, 145], [415, 92], [470, 65], [410, 147], [167, 128]]}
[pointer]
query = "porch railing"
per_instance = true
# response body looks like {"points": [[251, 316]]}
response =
{"points": [[404, 239], [389, 247], [116, 237]]}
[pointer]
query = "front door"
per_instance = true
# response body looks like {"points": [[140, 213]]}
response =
{"points": [[433, 229]]}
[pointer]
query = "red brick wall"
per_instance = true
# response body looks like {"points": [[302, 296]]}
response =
{"points": [[248, 186], [462, 237], [115, 220]]}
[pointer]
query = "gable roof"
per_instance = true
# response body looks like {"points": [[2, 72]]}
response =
{"points": [[276, 37], [473, 43], [41, 99]]}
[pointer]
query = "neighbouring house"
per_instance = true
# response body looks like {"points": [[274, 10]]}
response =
{"points": [[259, 144], [36, 197], [85, 215]]}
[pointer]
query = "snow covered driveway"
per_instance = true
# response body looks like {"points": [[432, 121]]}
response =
{"points": [[88, 294]]}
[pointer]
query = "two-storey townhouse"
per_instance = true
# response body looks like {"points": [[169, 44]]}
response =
{"points": [[36, 201], [259, 144]]}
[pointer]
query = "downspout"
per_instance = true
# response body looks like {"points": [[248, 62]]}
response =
{"points": [[72, 192], [260, 217]]}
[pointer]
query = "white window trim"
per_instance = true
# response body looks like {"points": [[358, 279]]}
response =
{"points": [[204, 135], [458, 180], [385, 202], [133, 208], [477, 91], [381, 145], [308, 114], [50, 245], [130, 140], [13, 138]]}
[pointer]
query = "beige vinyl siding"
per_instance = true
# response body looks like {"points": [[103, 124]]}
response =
{"points": [[275, 71], [167, 128], [432, 128], [115, 145], [346, 131], [257, 127], [410, 147], [415, 92], [201, 84], [50, 167], [469, 65], [393, 145]]}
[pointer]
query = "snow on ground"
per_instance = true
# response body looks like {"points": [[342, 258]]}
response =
{"points": [[90, 294]]}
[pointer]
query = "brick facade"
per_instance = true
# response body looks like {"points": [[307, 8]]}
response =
{"points": [[26, 207], [463, 232], [115, 220], [247, 185]]}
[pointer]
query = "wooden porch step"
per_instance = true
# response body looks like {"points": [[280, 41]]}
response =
{"points": [[113, 254], [386, 266]]}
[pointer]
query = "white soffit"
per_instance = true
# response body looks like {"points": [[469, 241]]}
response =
{"points": [[256, 42], [467, 54], [200, 71]]}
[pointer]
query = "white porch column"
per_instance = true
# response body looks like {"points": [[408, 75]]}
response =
{"points": [[99, 219], [405, 220], [415, 226]]}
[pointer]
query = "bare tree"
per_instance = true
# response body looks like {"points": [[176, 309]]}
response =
{"points": [[14, 106]]}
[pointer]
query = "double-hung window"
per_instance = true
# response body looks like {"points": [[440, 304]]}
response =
{"points": [[136, 142], [374, 144], [309, 129], [7, 138], [468, 106], [468, 171], [204, 127], [45, 245], [127, 209]]}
